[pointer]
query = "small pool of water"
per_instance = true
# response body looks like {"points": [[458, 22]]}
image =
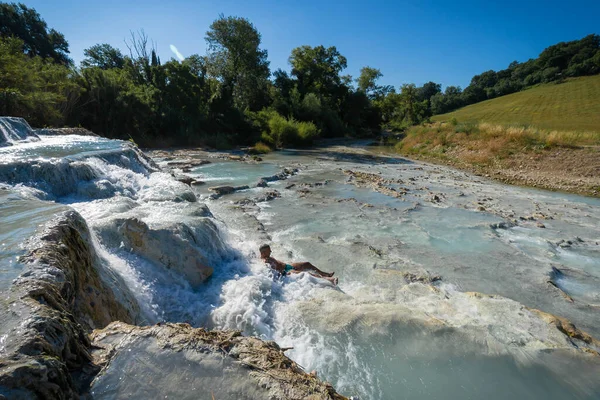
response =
{"points": [[234, 173], [20, 220]]}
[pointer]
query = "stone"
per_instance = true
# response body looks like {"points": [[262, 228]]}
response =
{"points": [[270, 195], [262, 183], [245, 367], [222, 190], [172, 247], [184, 179]]}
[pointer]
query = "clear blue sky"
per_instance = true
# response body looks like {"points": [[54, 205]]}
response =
{"points": [[409, 41]]}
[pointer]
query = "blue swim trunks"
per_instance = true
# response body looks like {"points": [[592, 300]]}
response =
{"points": [[288, 268]]}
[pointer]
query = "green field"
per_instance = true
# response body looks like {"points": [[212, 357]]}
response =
{"points": [[570, 106]]}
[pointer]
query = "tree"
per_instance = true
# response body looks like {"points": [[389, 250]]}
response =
{"points": [[32, 87], [367, 81], [317, 70], [18, 20], [103, 56], [236, 59], [428, 90], [412, 109]]}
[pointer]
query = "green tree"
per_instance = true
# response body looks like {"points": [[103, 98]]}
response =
{"points": [[103, 56], [367, 81], [413, 111], [317, 70], [32, 87], [18, 20], [236, 59], [428, 90]]}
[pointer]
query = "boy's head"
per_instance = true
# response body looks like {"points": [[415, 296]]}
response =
{"points": [[265, 251]]}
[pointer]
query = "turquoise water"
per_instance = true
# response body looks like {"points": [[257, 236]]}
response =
{"points": [[21, 219], [365, 236], [233, 173], [377, 335]]}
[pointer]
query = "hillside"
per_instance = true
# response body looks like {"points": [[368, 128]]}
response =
{"points": [[570, 106]]}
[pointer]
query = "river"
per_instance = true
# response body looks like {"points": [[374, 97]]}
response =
{"points": [[440, 271]]}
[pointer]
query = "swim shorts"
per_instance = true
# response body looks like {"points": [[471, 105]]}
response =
{"points": [[288, 268]]}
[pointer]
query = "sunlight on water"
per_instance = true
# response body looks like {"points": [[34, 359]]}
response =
{"points": [[21, 219], [379, 335]]}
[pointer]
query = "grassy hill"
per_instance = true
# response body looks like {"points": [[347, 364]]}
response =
{"points": [[570, 106]]}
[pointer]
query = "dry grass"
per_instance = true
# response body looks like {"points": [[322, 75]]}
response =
{"points": [[260, 148], [481, 143]]}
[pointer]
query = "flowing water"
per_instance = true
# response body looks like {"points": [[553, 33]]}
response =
{"points": [[409, 251]]}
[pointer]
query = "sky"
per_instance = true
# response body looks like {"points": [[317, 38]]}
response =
{"points": [[409, 41]]}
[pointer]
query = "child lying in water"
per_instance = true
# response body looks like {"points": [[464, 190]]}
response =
{"points": [[294, 268]]}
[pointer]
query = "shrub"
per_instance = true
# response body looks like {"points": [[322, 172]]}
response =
{"points": [[282, 132], [307, 131], [260, 148]]}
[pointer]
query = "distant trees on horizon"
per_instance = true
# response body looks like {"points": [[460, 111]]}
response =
{"points": [[554, 64], [229, 95]]}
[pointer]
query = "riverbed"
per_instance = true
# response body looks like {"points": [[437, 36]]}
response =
{"points": [[441, 273]]}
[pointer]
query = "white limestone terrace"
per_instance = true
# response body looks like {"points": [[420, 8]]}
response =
{"points": [[441, 273]]}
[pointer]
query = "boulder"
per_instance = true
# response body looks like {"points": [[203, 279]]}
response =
{"points": [[170, 246], [184, 179], [270, 195], [222, 190]]}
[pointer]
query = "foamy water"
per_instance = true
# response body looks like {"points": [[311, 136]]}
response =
{"points": [[375, 336]]}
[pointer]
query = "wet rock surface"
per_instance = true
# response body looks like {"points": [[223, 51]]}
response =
{"points": [[190, 363], [51, 308], [414, 246], [65, 293]]}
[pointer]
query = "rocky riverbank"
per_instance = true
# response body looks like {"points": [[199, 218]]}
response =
{"points": [[65, 294], [115, 293], [69, 287], [570, 170]]}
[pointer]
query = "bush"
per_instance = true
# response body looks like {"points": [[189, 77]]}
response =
{"points": [[307, 131], [281, 132], [260, 148]]}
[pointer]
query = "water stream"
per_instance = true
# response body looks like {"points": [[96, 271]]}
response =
{"points": [[403, 322]]}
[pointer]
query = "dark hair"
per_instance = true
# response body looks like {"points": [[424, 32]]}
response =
{"points": [[264, 247]]}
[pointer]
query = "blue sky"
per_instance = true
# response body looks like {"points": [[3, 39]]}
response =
{"points": [[409, 41]]}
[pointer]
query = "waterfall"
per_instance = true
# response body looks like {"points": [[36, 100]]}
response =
{"points": [[14, 130]]}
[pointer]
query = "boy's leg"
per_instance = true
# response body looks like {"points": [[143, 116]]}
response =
{"points": [[306, 266]]}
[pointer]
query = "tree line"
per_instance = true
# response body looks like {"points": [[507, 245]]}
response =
{"points": [[555, 64], [229, 95]]}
